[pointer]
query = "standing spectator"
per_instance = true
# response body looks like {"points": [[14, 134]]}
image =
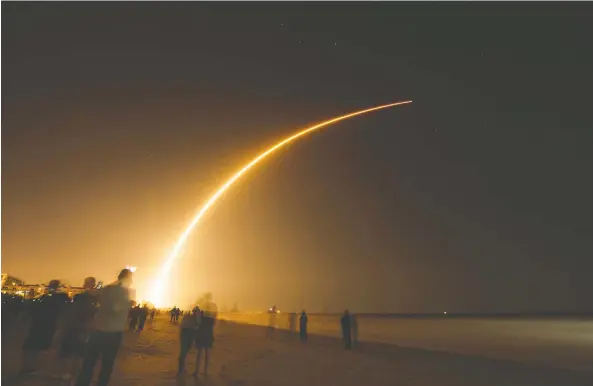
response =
{"points": [[134, 314], [110, 323], [303, 326], [78, 328], [292, 322], [273, 314], [45, 317], [346, 330], [189, 327], [142, 315], [205, 339]]}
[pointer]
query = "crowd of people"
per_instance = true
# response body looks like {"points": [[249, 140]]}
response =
{"points": [[138, 316], [94, 321], [92, 325]]}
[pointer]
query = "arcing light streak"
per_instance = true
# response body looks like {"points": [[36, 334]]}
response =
{"points": [[160, 284]]}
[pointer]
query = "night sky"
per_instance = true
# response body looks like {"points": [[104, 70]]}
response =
{"points": [[120, 119]]}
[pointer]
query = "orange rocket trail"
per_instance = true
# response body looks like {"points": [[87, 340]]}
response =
{"points": [[158, 289]]}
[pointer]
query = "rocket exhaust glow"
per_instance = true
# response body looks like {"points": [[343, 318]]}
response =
{"points": [[159, 286]]}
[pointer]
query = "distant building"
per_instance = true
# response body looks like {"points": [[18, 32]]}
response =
{"points": [[30, 291], [14, 286], [10, 283]]}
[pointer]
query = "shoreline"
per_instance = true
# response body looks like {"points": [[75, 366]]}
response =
{"points": [[242, 357]]}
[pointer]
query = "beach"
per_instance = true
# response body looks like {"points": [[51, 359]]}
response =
{"points": [[242, 356], [563, 342]]}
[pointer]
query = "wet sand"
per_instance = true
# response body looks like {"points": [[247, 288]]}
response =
{"points": [[558, 342], [242, 356]]}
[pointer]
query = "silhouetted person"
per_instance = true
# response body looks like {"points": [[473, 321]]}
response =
{"points": [[152, 313], [292, 322], [188, 336], [78, 328], [205, 338], [304, 320], [273, 314], [134, 314], [143, 314], [346, 330], [110, 322], [172, 313], [45, 317], [177, 313]]}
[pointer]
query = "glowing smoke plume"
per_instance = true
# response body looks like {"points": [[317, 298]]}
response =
{"points": [[158, 289]]}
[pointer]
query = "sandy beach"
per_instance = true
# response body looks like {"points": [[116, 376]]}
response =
{"points": [[561, 342], [242, 356]]}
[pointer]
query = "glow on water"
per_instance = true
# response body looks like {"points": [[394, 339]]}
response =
{"points": [[160, 284]]}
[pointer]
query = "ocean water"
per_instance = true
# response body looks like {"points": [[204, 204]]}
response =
{"points": [[553, 341]]}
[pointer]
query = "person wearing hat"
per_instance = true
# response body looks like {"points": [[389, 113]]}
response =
{"points": [[109, 325]]}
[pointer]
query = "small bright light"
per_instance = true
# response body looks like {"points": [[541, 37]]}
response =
{"points": [[445, 312], [131, 268]]}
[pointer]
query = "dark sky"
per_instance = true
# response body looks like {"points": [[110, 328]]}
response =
{"points": [[119, 119]]}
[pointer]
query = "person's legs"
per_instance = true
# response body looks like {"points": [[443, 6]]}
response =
{"points": [[111, 347], [78, 355], [93, 351], [67, 351], [198, 359], [39, 339], [186, 340], [206, 360]]}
